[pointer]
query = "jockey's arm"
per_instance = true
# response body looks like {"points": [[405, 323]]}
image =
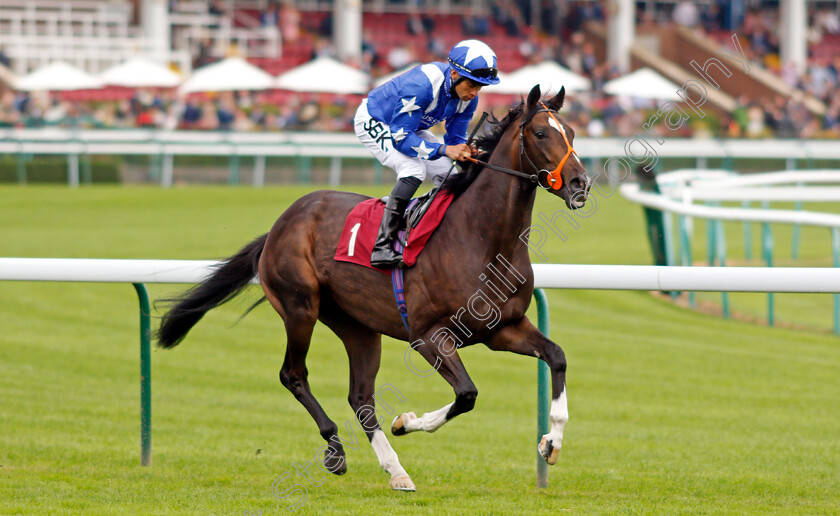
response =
{"points": [[405, 122], [456, 133]]}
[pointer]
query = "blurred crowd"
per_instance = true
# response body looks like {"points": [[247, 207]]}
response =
{"points": [[552, 33]]}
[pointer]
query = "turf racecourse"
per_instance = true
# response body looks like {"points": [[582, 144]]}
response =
{"points": [[672, 411]]}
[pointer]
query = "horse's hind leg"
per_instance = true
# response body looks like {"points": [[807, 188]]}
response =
{"points": [[363, 350], [299, 311]]}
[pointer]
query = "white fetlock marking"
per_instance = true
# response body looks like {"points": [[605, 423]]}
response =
{"points": [[387, 456], [430, 421], [558, 415]]}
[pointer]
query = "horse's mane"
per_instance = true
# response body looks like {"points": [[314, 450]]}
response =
{"points": [[486, 144]]}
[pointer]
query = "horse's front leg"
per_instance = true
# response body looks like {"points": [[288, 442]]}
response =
{"points": [[445, 360], [524, 338]]}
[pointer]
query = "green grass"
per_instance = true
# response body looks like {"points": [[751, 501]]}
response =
{"points": [[672, 411]]}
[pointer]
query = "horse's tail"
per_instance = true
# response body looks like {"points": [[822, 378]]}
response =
{"points": [[230, 278]]}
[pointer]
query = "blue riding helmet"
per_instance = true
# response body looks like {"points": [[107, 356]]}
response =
{"points": [[474, 60]]}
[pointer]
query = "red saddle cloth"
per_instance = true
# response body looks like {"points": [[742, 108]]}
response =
{"points": [[362, 225]]}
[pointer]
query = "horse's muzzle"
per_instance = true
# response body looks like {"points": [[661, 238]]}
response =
{"points": [[577, 191]]}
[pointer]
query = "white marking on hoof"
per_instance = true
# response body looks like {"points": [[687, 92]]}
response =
{"points": [[548, 451], [398, 426], [402, 483]]}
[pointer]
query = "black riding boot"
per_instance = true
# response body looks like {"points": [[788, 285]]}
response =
{"points": [[383, 255]]}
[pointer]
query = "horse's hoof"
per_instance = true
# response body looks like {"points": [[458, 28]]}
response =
{"points": [[398, 425], [402, 483], [337, 464], [547, 451]]}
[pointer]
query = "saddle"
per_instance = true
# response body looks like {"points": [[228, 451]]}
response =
{"points": [[422, 217]]}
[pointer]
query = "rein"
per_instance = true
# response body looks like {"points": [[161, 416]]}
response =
{"points": [[548, 180]]}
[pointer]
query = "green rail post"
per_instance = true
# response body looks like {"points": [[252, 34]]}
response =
{"points": [[304, 164], [377, 172], [543, 387], [685, 252], [747, 235], [767, 250], [145, 375], [721, 252], [233, 163], [21, 168], [794, 245], [835, 251]]}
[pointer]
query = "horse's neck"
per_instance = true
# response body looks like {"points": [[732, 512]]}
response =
{"points": [[500, 202]]}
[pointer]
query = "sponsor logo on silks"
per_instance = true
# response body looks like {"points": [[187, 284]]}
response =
{"points": [[430, 120], [377, 131]]}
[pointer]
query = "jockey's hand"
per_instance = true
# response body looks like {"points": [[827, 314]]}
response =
{"points": [[458, 152]]}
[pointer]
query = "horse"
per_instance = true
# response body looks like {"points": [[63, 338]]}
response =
{"points": [[482, 232]]}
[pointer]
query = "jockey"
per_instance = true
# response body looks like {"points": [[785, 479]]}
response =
{"points": [[393, 122]]}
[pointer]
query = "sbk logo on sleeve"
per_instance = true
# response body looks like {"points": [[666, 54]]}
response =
{"points": [[377, 131]]}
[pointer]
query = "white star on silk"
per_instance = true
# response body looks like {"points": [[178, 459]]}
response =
{"points": [[422, 151], [409, 106], [477, 49], [399, 135]]}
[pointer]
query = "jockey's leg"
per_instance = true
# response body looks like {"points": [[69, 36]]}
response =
{"points": [[383, 252]]}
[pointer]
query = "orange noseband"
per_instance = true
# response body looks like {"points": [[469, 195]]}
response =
{"points": [[554, 178]]}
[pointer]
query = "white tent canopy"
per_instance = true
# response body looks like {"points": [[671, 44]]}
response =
{"points": [[229, 75], [58, 76], [550, 76], [140, 73], [326, 75], [644, 83]]}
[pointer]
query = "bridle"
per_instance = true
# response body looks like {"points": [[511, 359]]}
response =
{"points": [[549, 180]]}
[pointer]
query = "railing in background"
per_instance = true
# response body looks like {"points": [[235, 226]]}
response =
{"points": [[597, 277], [714, 186], [164, 145]]}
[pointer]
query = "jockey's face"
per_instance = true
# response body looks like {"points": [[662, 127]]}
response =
{"points": [[467, 89]]}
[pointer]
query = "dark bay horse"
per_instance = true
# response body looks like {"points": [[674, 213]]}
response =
{"points": [[472, 283]]}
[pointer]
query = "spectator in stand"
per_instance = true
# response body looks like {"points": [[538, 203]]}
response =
{"points": [[9, 115], [548, 17], [828, 21], [414, 24], [270, 21], [475, 23], [325, 28], [573, 20], [287, 117], [192, 114], [686, 14], [370, 59], [323, 48], [289, 22], [592, 11], [588, 59], [4, 59], [400, 56], [241, 121], [508, 15], [225, 112], [204, 55]]}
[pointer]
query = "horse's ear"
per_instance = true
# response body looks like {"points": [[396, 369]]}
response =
{"points": [[533, 97], [557, 102]]}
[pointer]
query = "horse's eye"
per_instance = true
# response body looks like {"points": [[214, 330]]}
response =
{"points": [[540, 134]]}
